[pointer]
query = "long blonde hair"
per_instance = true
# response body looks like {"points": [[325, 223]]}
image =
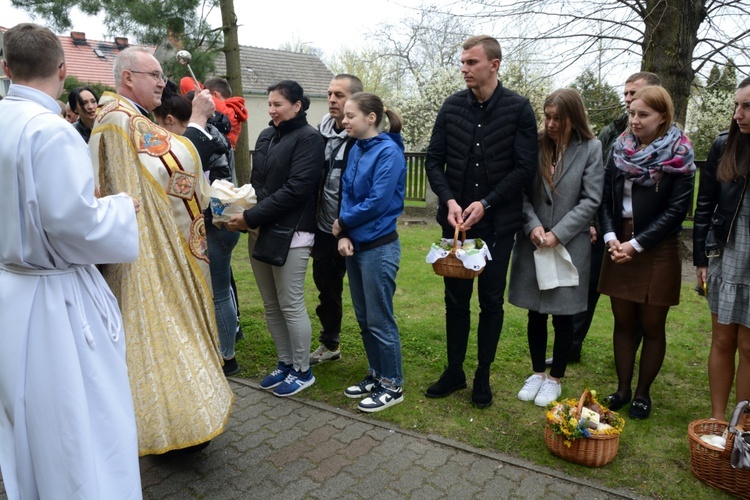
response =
{"points": [[572, 114]]}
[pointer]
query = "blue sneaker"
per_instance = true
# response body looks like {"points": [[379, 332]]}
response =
{"points": [[276, 377], [294, 383]]}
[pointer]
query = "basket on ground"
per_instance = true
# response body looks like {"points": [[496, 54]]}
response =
{"points": [[593, 451], [711, 464], [451, 266]]}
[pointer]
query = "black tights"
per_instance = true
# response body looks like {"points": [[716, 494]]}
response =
{"points": [[653, 320]]}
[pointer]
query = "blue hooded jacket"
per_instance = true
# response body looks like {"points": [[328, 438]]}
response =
{"points": [[372, 191]]}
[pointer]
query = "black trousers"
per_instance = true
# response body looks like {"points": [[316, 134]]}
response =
{"points": [[491, 289], [537, 335], [582, 321], [329, 269]]}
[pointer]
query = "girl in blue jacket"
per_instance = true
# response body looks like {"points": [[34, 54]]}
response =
{"points": [[372, 198]]}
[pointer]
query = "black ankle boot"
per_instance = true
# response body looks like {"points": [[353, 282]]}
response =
{"points": [[481, 395], [450, 381]]}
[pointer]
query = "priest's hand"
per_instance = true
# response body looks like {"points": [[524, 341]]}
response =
{"points": [[203, 108], [136, 204]]}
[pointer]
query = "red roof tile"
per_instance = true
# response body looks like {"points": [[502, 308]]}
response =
{"points": [[83, 61], [90, 61]]}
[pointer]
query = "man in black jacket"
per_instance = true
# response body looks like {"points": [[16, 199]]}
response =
{"points": [[481, 156]]}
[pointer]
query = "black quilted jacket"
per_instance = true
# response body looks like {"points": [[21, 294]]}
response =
{"points": [[510, 153]]}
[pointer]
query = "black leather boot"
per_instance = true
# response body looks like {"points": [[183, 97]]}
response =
{"points": [[450, 381], [481, 395]]}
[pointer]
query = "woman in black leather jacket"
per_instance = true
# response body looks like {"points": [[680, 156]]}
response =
{"points": [[647, 192], [721, 253]]}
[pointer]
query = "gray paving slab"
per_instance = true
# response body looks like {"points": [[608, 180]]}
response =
{"points": [[291, 448]]}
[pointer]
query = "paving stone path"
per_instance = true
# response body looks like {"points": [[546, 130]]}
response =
{"points": [[290, 448]]}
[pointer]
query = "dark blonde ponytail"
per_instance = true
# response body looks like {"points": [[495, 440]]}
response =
{"points": [[370, 103]]}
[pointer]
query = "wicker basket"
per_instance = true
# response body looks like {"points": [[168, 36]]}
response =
{"points": [[451, 266], [710, 464], [593, 451]]}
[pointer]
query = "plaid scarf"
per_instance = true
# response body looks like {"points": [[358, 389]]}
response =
{"points": [[671, 153]]}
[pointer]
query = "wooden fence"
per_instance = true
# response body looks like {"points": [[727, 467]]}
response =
{"points": [[416, 178]]}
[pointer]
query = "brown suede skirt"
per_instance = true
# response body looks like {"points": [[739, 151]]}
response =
{"points": [[651, 277]]}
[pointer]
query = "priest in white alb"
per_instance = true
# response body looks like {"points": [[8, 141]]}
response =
{"points": [[67, 424]]}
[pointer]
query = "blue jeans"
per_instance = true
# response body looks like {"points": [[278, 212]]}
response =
{"points": [[221, 242], [372, 283]]}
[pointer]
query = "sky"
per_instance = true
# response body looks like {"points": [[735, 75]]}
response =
{"points": [[328, 25], [321, 23]]}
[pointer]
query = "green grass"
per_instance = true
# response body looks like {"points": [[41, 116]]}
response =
{"points": [[653, 459]]}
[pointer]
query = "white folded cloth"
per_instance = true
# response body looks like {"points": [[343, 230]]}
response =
{"points": [[554, 268]]}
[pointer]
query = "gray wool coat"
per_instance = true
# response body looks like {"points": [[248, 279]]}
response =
{"points": [[566, 212]]}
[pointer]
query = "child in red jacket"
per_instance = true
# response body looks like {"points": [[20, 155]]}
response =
{"points": [[233, 107]]}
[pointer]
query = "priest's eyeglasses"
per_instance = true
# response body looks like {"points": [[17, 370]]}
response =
{"points": [[157, 76]]}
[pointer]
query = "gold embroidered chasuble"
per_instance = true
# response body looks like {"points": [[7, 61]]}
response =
{"points": [[179, 390]]}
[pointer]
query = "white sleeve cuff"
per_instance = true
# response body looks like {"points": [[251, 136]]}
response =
{"points": [[638, 248]]}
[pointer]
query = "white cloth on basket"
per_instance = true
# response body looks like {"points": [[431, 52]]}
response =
{"points": [[474, 259]]}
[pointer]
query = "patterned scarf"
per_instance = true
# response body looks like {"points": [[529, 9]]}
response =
{"points": [[671, 153]]}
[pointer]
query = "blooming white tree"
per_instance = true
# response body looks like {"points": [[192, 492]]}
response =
{"points": [[711, 108]]}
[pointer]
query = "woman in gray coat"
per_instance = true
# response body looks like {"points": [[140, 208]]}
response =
{"points": [[558, 207]]}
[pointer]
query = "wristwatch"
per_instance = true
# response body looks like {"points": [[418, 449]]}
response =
{"points": [[485, 205]]}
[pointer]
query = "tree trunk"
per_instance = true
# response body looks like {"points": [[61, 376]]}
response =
{"points": [[670, 36], [234, 77]]}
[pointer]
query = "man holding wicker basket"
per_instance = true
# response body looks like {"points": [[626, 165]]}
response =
{"points": [[482, 153]]}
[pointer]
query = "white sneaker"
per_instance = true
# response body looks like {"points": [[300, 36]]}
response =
{"points": [[531, 388], [323, 354], [548, 393], [381, 398]]}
